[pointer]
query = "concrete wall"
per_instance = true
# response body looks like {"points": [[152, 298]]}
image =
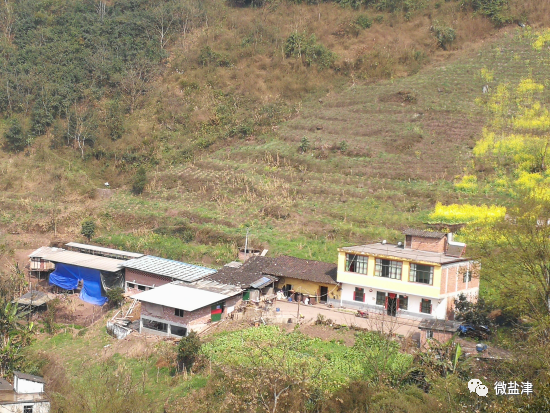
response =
{"points": [[38, 407], [27, 386]]}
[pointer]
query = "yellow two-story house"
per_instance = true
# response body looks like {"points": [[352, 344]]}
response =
{"points": [[420, 277]]}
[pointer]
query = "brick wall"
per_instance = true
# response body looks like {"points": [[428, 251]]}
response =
{"points": [[428, 244], [143, 278], [441, 336], [199, 316], [453, 276]]}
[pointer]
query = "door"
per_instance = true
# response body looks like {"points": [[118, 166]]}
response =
{"points": [[391, 306], [323, 294], [216, 312]]}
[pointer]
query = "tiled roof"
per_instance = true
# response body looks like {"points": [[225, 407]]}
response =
{"points": [[422, 233], [174, 269], [308, 270], [257, 267], [246, 275]]}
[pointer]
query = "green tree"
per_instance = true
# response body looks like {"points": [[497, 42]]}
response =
{"points": [[188, 349], [15, 136], [88, 228], [140, 181], [14, 335]]}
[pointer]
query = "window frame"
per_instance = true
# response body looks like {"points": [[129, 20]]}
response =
{"points": [[393, 269], [28, 408], [377, 301], [356, 296], [178, 312], [401, 300], [414, 273], [430, 334], [357, 262], [423, 306], [467, 276]]}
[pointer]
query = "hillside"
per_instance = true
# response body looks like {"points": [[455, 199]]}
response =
{"points": [[242, 119]]}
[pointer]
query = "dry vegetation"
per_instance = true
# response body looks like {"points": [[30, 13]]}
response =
{"points": [[389, 126]]}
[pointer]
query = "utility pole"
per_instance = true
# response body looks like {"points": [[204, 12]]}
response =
{"points": [[246, 244]]}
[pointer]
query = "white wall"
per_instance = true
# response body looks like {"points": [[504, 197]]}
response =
{"points": [[27, 386], [38, 407], [414, 302]]}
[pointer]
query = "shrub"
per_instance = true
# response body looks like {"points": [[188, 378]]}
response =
{"points": [[140, 181], [495, 10], [304, 144], [188, 349], [309, 50], [444, 36], [88, 228], [115, 296], [364, 21]]}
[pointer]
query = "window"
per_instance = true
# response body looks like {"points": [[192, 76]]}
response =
{"points": [[356, 263], [178, 312], [429, 334], [467, 276], [426, 306], [421, 273], [380, 298], [155, 325], [359, 294], [130, 285], [28, 409], [141, 287], [403, 302], [388, 269], [178, 331]]}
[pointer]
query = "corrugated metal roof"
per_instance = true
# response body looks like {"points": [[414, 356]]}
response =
{"points": [[214, 287], [407, 254], [80, 259], [29, 377], [42, 251], [103, 250], [262, 282], [169, 268], [181, 296]]}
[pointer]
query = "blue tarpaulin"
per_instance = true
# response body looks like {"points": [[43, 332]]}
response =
{"points": [[67, 277]]}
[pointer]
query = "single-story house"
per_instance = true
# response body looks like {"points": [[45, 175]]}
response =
{"points": [[102, 251], [439, 330], [175, 308], [250, 276], [145, 273], [25, 396]]}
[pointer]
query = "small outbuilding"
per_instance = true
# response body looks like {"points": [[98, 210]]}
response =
{"points": [[25, 396], [175, 308], [439, 330]]}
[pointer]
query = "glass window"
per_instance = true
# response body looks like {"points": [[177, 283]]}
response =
{"points": [[178, 331], [27, 409], [178, 312], [155, 325], [356, 263], [130, 285], [429, 334], [388, 269], [359, 294], [403, 302], [426, 306], [141, 287], [421, 273], [380, 298], [467, 276]]}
